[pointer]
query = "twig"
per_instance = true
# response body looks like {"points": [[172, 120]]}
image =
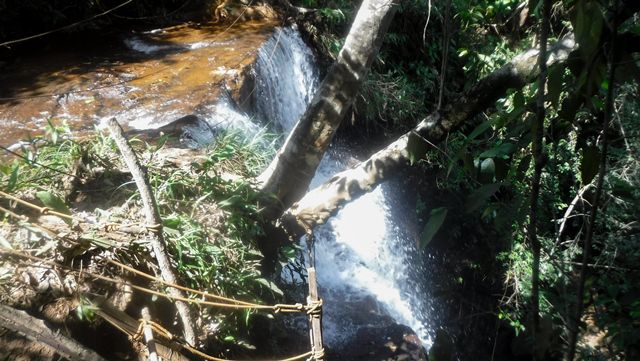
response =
{"points": [[36, 330], [148, 334], [567, 213], [153, 218], [445, 53]]}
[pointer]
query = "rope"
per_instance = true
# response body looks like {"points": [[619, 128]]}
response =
{"points": [[66, 26], [161, 331], [187, 289], [314, 308], [277, 308], [43, 210], [155, 228], [316, 354]]}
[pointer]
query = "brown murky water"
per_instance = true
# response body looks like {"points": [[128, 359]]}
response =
{"points": [[144, 79]]}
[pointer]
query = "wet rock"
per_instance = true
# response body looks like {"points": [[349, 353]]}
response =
{"points": [[387, 343]]}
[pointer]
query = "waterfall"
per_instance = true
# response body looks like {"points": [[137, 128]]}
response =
{"points": [[366, 264], [369, 270], [285, 79]]}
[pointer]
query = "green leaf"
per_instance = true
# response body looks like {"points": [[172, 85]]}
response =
{"points": [[590, 164], [597, 102], [54, 202], [501, 151], [270, 285], [518, 101], [487, 170], [230, 202], [479, 130], [480, 196], [588, 26], [433, 225], [416, 147], [13, 178]]}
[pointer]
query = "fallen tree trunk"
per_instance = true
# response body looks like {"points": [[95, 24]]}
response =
{"points": [[290, 173], [319, 204], [36, 330]]}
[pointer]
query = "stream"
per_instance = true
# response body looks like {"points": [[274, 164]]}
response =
{"points": [[369, 270]]}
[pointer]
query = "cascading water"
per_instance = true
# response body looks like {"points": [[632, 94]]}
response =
{"points": [[366, 265], [285, 79]]}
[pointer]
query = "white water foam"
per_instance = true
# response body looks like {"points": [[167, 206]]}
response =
{"points": [[143, 46], [285, 79], [365, 264], [363, 259]]}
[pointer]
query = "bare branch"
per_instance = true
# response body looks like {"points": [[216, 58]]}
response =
{"points": [[153, 220]]}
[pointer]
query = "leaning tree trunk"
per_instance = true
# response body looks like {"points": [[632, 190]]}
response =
{"points": [[290, 173], [319, 204]]}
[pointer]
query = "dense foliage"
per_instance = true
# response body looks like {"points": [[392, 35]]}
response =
{"points": [[476, 185], [210, 215], [487, 169]]}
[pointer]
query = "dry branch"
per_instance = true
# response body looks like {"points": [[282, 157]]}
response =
{"points": [[36, 330], [153, 219], [148, 335], [167, 350]]}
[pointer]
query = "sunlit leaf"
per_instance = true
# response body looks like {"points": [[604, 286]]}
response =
{"points": [[270, 285], [487, 170], [54, 202], [13, 178]]}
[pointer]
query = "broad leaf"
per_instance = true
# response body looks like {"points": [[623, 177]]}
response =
{"points": [[433, 225], [588, 26], [518, 101], [483, 127], [416, 147], [54, 202], [270, 285], [501, 151], [487, 170], [480, 196]]}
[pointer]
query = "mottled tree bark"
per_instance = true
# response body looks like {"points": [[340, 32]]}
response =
{"points": [[35, 329], [319, 204], [290, 173]]}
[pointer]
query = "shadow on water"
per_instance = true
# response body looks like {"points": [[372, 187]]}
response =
{"points": [[130, 75]]}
